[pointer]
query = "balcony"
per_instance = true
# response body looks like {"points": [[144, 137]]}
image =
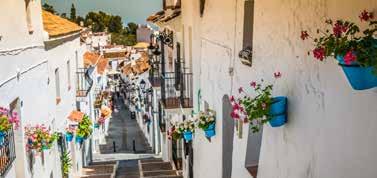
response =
{"points": [[84, 82], [7, 152], [173, 98]]}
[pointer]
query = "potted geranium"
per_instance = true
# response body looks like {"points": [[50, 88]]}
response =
{"points": [[12, 117], [186, 128], [69, 132], [260, 108], [39, 138], [206, 121], [84, 129], [355, 51]]}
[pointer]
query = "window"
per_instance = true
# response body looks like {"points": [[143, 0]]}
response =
{"points": [[29, 16], [246, 53], [57, 86], [69, 74]]}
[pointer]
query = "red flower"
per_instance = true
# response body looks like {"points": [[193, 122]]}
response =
{"points": [[319, 53], [366, 16], [253, 84], [339, 28], [277, 74], [236, 106], [234, 115], [349, 57], [304, 35], [232, 99], [240, 90]]}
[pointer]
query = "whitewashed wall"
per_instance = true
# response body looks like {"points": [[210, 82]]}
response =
{"points": [[331, 127]]}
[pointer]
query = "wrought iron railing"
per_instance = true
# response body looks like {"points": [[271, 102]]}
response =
{"points": [[186, 92], [84, 82], [178, 73], [155, 75], [7, 151], [173, 98]]}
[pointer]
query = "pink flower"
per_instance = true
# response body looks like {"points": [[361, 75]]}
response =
{"points": [[232, 98], [339, 28], [234, 115], [319, 53], [236, 106], [304, 35], [240, 90], [277, 74], [253, 84], [366, 16], [349, 57]]}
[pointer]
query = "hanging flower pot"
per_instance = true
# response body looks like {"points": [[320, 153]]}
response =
{"points": [[96, 125], [207, 121], [187, 136], [68, 137], [79, 139], [278, 111], [2, 135], [360, 78], [39, 138], [355, 50]]}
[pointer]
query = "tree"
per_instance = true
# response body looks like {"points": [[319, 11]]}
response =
{"points": [[79, 19], [48, 8], [64, 15], [132, 27], [115, 24], [73, 13]]}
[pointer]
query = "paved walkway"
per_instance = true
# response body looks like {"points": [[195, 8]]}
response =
{"points": [[122, 131]]}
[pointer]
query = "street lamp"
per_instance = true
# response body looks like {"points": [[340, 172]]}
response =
{"points": [[142, 84]]}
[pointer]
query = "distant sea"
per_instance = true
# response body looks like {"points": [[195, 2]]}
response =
{"points": [[130, 10]]}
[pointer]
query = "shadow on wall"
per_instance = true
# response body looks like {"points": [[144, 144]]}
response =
{"points": [[228, 133]]}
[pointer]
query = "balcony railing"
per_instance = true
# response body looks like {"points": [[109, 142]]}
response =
{"points": [[173, 98], [7, 152], [84, 82], [155, 75]]}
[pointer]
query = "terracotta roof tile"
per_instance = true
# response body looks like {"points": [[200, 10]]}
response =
{"points": [[56, 26], [102, 65], [90, 58]]}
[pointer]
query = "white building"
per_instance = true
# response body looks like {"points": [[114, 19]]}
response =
{"points": [[330, 125]]}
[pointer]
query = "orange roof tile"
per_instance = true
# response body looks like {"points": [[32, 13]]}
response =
{"points": [[56, 26], [90, 58], [102, 65], [76, 116]]}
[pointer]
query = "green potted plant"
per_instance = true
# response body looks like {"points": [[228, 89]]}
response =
{"points": [[5, 125], [355, 51], [260, 108], [39, 138], [206, 121], [186, 128], [66, 164], [84, 129]]}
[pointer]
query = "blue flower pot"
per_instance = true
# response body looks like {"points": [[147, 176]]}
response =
{"points": [[2, 135], [187, 136], [278, 111], [96, 126], [360, 78], [68, 137], [79, 139], [210, 131]]}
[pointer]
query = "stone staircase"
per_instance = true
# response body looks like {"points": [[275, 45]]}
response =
{"points": [[156, 168], [99, 170]]}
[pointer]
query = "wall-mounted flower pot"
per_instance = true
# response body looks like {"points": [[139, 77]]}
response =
{"points": [[96, 125], [187, 136], [79, 139], [360, 78], [2, 135], [210, 131], [278, 111], [68, 137]]}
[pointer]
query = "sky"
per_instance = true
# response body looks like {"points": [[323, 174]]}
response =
{"points": [[130, 10]]}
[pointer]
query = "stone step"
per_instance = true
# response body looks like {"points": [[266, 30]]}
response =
{"points": [[152, 160], [103, 163], [159, 173], [165, 177], [156, 166], [95, 176], [98, 169], [127, 176]]}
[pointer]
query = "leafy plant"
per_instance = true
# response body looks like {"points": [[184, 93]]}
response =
{"points": [[185, 126], [206, 119], [343, 38], [5, 125], [84, 129], [66, 163]]}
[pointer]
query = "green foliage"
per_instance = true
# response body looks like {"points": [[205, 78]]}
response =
{"points": [[123, 39], [132, 28], [64, 15], [84, 129], [115, 24], [73, 13], [206, 119], [257, 108], [66, 163], [5, 125], [48, 8]]}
